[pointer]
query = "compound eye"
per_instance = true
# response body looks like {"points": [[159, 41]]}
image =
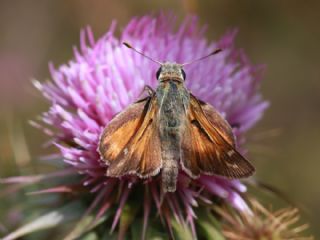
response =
{"points": [[158, 73], [183, 74]]}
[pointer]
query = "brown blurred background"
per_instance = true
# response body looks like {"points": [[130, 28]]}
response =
{"points": [[285, 35]]}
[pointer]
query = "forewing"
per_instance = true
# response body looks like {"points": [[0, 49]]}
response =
{"points": [[208, 145], [130, 143], [216, 120]]}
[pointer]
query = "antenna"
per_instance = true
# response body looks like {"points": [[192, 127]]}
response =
{"points": [[199, 59], [129, 46]]}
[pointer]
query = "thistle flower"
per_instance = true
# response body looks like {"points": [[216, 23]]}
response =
{"points": [[104, 77], [263, 224]]}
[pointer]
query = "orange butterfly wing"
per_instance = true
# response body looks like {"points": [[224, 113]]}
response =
{"points": [[130, 143], [208, 145]]}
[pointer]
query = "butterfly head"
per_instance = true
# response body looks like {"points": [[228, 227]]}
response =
{"points": [[171, 71]]}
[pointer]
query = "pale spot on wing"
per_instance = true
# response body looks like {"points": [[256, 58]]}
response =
{"points": [[230, 153], [125, 151], [120, 164], [218, 154], [232, 165]]}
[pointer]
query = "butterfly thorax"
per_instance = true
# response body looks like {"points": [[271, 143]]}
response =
{"points": [[173, 100]]}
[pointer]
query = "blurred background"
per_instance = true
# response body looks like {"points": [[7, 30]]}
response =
{"points": [[285, 35]]}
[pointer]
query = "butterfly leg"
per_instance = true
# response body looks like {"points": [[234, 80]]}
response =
{"points": [[235, 125], [150, 93], [149, 90]]}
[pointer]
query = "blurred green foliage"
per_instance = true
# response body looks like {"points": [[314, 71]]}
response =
{"points": [[284, 35]]}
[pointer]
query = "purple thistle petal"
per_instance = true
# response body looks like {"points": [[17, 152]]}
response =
{"points": [[37, 178], [58, 189], [125, 193], [107, 202], [146, 213]]}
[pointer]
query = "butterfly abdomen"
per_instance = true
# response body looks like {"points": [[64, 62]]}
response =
{"points": [[170, 167], [172, 116]]}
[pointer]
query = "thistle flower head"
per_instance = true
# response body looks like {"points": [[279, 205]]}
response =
{"points": [[263, 224], [104, 77]]}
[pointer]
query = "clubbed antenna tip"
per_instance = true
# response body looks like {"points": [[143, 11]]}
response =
{"points": [[216, 51], [127, 44], [141, 53]]}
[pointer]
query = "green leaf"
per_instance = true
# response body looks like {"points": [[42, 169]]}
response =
{"points": [[90, 236], [109, 236], [46, 221], [210, 231], [182, 231], [209, 225], [136, 229], [86, 224], [127, 216], [154, 230]]}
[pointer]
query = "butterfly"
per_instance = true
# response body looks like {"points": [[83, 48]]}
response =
{"points": [[171, 130]]}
